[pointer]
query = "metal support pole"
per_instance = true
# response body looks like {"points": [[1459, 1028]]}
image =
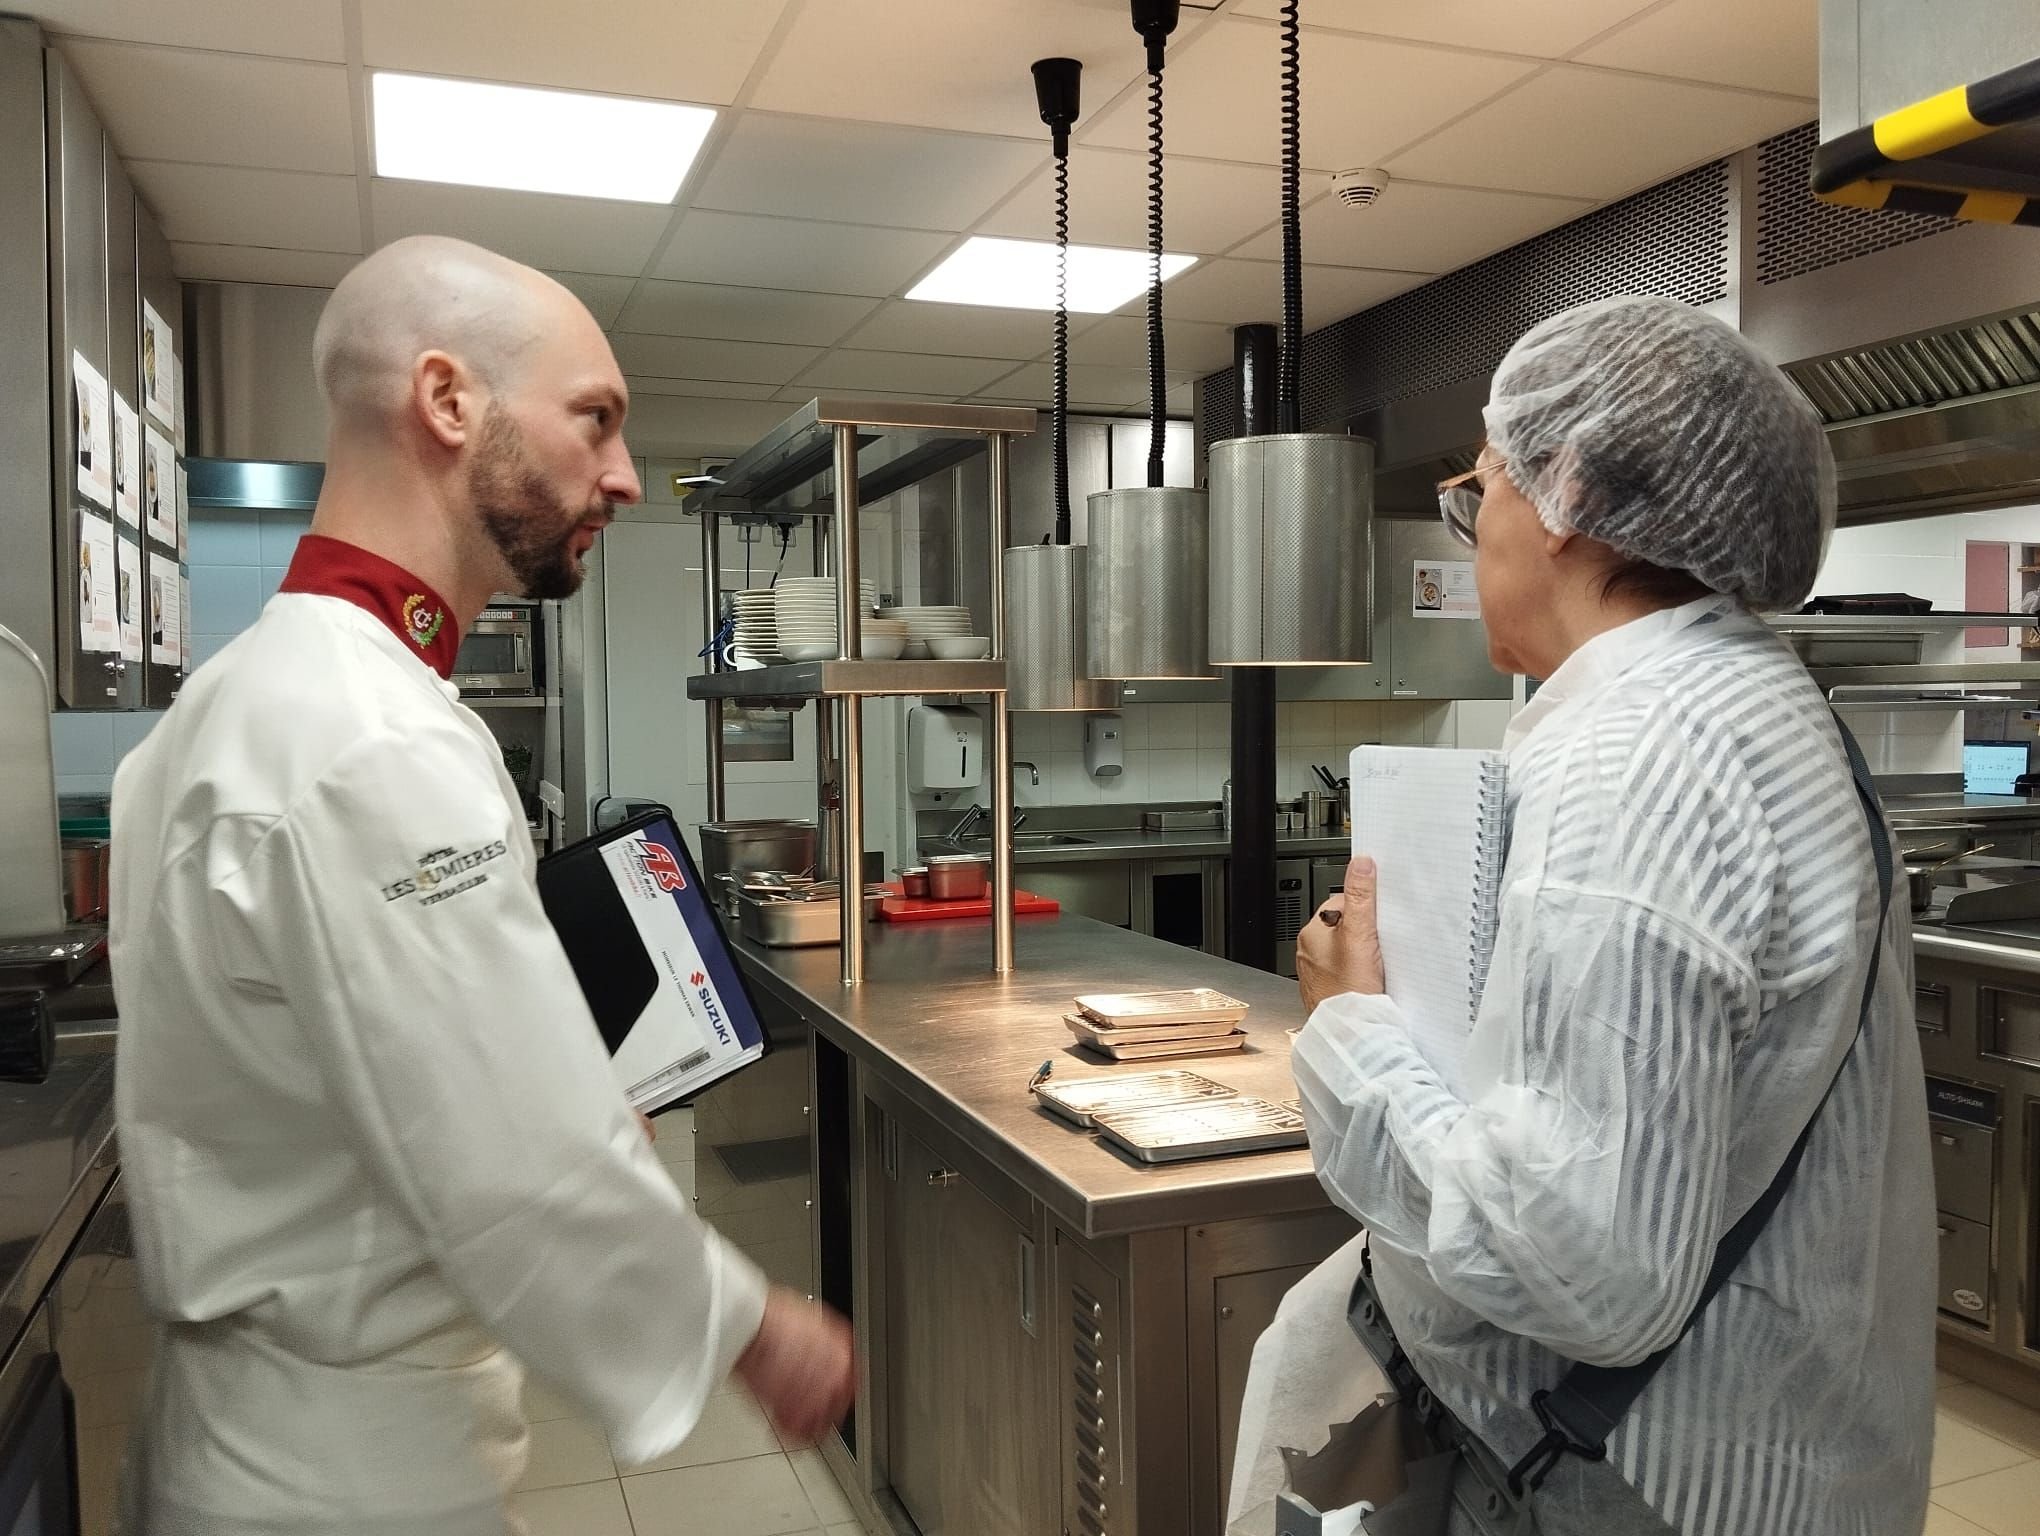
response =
{"points": [[711, 602], [850, 780], [1002, 722], [1250, 873]]}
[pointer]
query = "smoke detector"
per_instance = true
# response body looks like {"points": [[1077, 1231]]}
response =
{"points": [[1361, 188]]}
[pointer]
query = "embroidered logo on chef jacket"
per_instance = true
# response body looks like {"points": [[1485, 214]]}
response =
{"points": [[440, 873], [422, 620]]}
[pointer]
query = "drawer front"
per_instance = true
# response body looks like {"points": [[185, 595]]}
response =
{"points": [[1964, 1158], [2009, 1023], [1931, 1004], [1965, 1268]]}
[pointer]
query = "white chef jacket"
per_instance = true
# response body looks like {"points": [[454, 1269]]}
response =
{"points": [[372, 1139], [1687, 915]]}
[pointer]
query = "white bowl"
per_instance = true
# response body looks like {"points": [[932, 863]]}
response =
{"points": [[883, 647], [964, 648], [917, 650], [808, 651]]}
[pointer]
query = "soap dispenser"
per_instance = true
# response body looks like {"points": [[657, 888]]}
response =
{"points": [[1104, 755]]}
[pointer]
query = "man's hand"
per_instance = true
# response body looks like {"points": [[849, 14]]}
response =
{"points": [[800, 1366], [1339, 950]]}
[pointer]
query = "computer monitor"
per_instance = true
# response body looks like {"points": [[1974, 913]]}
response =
{"points": [[1990, 767]]}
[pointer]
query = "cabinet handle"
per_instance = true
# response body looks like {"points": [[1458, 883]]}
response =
{"points": [[1944, 1231], [1027, 1296], [942, 1178], [1946, 1140]]}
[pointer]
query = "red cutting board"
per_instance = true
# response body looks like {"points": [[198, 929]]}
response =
{"points": [[920, 909]]}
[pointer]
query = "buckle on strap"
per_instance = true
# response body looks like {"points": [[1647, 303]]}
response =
{"points": [[1528, 1474]]}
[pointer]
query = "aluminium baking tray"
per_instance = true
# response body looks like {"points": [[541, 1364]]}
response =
{"points": [[1091, 1032], [1193, 1005], [1078, 1099], [1216, 1129], [1162, 1050]]}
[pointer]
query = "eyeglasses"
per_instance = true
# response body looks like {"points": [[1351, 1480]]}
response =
{"points": [[1459, 500]]}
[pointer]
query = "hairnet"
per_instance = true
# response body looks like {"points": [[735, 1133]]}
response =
{"points": [[1660, 431]]}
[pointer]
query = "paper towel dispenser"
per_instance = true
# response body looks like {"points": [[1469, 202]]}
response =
{"points": [[945, 748]]}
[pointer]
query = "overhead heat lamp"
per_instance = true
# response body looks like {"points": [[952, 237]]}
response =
{"points": [[1292, 512], [1047, 665], [1150, 549]]}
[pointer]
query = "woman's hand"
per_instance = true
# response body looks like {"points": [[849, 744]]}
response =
{"points": [[1339, 950]]}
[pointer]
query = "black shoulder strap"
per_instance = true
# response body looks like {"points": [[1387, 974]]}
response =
{"points": [[1581, 1412]]}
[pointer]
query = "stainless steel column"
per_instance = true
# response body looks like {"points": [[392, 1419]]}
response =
{"points": [[1002, 720], [849, 641], [711, 603]]}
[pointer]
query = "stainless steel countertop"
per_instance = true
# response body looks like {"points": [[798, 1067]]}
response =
{"points": [[1109, 844], [960, 1044], [2012, 947], [1915, 808]]}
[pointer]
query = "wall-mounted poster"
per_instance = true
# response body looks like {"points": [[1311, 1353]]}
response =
{"points": [[1444, 589], [128, 600], [158, 367], [177, 400], [159, 487], [183, 515], [184, 621], [95, 431], [97, 626], [127, 462], [165, 593]]}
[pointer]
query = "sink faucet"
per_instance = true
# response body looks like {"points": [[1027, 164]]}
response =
{"points": [[977, 813], [1033, 773]]}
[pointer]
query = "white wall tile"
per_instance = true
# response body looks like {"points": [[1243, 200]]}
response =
{"points": [[1214, 726], [1356, 722], [1214, 767], [205, 647], [226, 537], [1402, 725], [130, 728], [1031, 734], [1133, 728], [1066, 732], [225, 599], [81, 742], [1172, 726], [1483, 722], [280, 533], [84, 783], [1173, 774], [1066, 775], [1130, 784]]}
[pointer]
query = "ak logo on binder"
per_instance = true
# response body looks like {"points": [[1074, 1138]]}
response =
{"points": [[657, 861]]}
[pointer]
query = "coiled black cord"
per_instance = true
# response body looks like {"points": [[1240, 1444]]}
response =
{"points": [[1289, 366], [1158, 378], [1059, 420]]}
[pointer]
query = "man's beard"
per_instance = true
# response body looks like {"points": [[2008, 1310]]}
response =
{"points": [[523, 515]]}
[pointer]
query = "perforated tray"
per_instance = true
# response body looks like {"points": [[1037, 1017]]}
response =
{"points": [[1078, 1099], [1217, 1129], [1195, 1005]]}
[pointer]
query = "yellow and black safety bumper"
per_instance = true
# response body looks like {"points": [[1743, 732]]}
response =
{"points": [[1867, 167]]}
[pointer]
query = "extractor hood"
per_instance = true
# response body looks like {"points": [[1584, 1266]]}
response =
{"points": [[1931, 108]]}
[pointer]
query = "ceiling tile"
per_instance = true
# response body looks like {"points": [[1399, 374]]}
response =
{"points": [[251, 264], [1768, 45], [932, 378], [742, 314], [1363, 98], [751, 251], [225, 205], [800, 394], [962, 330], [1588, 133], [573, 234], [1547, 29], [709, 389], [165, 102], [677, 357], [1417, 227], [1090, 385], [1191, 346], [1208, 206], [292, 29], [861, 173], [965, 68], [1234, 292], [675, 50], [605, 296], [685, 426]]}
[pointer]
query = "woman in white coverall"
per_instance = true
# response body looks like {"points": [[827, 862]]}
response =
{"points": [[376, 1155], [1688, 915]]}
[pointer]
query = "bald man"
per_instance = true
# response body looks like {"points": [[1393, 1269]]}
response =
{"points": [[374, 1152]]}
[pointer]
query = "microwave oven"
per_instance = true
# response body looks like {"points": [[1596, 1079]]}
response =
{"points": [[501, 652]]}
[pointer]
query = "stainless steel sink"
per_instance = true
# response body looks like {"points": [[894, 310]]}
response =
{"points": [[1030, 840]]}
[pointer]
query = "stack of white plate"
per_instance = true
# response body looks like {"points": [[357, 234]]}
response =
{"points": [[804, 616], [945, 622], [757, 636]]}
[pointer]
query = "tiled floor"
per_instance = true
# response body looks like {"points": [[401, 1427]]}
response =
{"points": [[732, 1477], [1986, 1463]]}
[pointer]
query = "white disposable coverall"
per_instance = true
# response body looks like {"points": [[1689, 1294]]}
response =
{"points": [[1687, 914], [375, 1151]]}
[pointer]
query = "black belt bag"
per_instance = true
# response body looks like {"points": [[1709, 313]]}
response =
{"points": [[1451, 1479]]}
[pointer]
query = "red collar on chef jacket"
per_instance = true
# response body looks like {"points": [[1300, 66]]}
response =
{"points": [[415, 613]]}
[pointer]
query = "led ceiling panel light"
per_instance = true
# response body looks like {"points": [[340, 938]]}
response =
{"points": [[1020, 274]]}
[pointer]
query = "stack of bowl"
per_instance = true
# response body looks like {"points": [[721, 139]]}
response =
{"points": [[757, 636], [804, 616], [931, 623]]}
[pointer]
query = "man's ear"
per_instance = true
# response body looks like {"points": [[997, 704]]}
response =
{"points": [[444, 397]]}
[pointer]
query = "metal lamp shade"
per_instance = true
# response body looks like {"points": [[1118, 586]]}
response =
{"points": [[1150, 561], [1045, 639], [1292, 550]]}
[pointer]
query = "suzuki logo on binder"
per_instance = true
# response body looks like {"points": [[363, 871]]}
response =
{"points": [[715, 1018]]}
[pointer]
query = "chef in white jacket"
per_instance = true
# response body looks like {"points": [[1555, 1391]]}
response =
{"points": [[376, 1157], [1688, 916]]}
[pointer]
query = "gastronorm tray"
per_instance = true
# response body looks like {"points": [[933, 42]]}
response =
{"points": [[1193, 1005], [1091, 1032], [1078, 1099], [1217, 1129], [1162, 1050]]}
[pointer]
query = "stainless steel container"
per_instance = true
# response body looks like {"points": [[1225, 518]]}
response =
{"points": [[740, 847], [914, 881], [958, 876], [798, 923], [85, 865]]}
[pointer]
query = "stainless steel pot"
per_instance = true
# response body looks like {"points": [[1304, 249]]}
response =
{"points": [[740, 847], [1920, 877]]}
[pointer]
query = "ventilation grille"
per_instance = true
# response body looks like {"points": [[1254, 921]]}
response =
{"points": [[1093, 1370], [1670, 240], [1954, 365], [1797, 233]]}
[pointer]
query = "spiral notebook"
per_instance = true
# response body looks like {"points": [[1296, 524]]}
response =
{"points": [[1434, 820]]}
